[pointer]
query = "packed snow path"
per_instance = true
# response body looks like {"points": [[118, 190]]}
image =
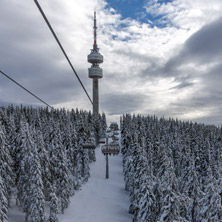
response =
{"points": [[100, 199]]}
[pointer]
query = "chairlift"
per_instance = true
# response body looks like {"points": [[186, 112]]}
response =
{"points": [[89, 146], [115, 133], [114, 143], [102, 141], [114, 138], [114, 126], [109, 136], [111, 149]]}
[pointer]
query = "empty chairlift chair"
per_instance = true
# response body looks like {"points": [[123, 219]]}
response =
{"points": [[114, 126], [114, 138], [89, 145], [112, 148]]}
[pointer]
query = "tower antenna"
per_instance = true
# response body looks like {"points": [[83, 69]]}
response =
{"points": [[95, 34]]}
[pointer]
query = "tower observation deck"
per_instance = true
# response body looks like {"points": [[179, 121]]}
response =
{"points": [[95, 72]]}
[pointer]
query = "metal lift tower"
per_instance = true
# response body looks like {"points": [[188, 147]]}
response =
{"points": [[95, 72]]}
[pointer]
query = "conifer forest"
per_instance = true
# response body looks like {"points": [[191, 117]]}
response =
{"points": [[172, 169], [42, 160]]}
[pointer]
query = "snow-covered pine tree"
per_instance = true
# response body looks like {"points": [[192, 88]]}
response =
{"points": [[60, 171], [104, 125], [92, 153], [73, 160], [210, 209], [86, 169], [45, 164], [133, 174], [79, 164], [11, 135], [30, 186], [84, 136], [169, 199], [145, 202], [5, 164], [96, 125], [23, 153], [36, 195], [3, 202], [53, 205]]}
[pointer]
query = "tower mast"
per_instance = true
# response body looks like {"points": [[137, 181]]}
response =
{"points": [[95, 35], [95, 72]]}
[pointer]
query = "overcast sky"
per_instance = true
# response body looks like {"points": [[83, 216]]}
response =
{"points": [[160, 57]]}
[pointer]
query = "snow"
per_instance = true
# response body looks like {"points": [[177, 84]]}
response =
{"points": [[14, 215], [99, 199]]}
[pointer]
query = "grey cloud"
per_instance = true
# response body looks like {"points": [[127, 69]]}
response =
{"points": [[213, 118], [182, 107], [207, 101], [204, 46], [183, 82], [213, 78], [117, 104], [203, 49], [183, 85], [30, 55], [211, 93], [133, 55]]}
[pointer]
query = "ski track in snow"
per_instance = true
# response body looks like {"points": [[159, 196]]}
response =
{"points": [[100, 199]]}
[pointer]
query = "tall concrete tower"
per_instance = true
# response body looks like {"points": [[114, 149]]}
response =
{"points": [[95, 72]]}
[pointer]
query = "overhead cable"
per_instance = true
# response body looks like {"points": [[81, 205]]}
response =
{"points": [[61, 47], [26, 89]]}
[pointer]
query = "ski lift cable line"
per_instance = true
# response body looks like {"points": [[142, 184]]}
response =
{"points": [[26, 89], [61, 47]]}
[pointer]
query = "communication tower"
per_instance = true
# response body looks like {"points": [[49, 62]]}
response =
{"points": [[95, 72]]}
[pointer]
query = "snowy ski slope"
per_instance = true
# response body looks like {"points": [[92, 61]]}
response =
{"points": [[100, 199]]}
